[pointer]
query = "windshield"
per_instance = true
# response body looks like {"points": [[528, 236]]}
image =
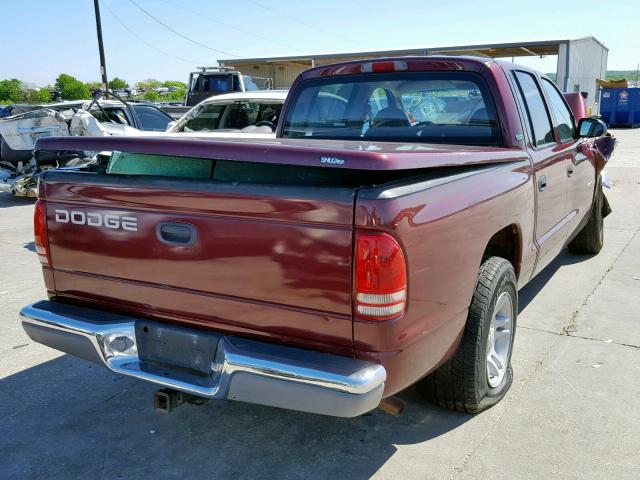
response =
{"points": [[443, 107], [234, 116], [249, 84]]}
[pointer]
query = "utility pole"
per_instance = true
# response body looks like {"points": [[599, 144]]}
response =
{"points": [[103, 65]]}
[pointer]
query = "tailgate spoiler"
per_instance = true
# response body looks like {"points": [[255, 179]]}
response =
{"points": [[307, 152]]}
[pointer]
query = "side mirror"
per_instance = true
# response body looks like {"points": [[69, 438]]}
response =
{"points": [[169, 126], [591, 127]]}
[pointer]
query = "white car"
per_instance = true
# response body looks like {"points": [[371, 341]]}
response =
{"points": [[251, 114]]}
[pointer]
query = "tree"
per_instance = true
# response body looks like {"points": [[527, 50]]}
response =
{"points": [[149, 83], [11, 91], [176, 95], [71, 88], [175, 83], [94, 85], [151, 96], [41, 96], [117, 84]]}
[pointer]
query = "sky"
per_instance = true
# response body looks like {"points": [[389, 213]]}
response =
{"points": [[40, 39]]}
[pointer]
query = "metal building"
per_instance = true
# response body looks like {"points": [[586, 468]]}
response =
{"points": [[580, 61]]}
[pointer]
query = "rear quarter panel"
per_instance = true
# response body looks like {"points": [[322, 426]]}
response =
{"points": [[444, 231]]}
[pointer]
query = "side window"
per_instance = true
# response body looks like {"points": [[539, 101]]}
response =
{"points": [[536, 109], [117, 115], [378, 101], [564, 119], [151, 119], [203, 119]]}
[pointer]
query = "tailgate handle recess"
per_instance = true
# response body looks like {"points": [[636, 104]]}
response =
{"points": [[177, 233]]}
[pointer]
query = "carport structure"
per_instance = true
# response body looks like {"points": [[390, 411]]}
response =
{"points": [[579, 61]]}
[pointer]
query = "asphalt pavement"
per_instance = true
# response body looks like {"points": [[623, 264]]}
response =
{"points": [[573, 410]]}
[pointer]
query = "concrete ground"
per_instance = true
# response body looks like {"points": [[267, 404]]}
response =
{"points": [[573, 411]]}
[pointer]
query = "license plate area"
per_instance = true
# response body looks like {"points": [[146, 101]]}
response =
{"points": [[175, 347]]}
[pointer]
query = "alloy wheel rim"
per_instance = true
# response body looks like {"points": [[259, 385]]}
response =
{"points": [[499, 341]]}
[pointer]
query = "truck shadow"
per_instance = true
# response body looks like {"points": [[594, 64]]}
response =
{"points": [[67, 418], [528, 293]]}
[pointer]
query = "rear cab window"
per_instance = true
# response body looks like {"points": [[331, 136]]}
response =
{"points": [[419, 107]]}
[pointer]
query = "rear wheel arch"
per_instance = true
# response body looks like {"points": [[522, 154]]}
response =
{"points": [[479, 373], [505, 243]]}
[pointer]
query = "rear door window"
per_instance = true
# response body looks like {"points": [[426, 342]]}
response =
{"points": [[539, 121]]}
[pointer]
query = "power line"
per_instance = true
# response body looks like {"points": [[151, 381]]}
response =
{"points": [[150, 45], [225, 24], [175, 32], [305, 24]]}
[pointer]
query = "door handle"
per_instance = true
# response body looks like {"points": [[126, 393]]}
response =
{"points": [[542, 182], [176, 234], [569, 170]]}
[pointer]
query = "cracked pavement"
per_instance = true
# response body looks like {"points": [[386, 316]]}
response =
{"points": [[572, 411]]}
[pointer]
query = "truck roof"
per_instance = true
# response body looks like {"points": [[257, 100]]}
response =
{"points": [[249, 95], [422, 63]]}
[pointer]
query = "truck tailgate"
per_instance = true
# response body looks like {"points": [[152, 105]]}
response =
{"points": [[266, 260]]}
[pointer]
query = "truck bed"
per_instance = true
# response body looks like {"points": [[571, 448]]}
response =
{"points": [[257, 240]]}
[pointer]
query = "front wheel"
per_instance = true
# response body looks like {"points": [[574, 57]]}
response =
{"points": [[591, 238], [480, 373]]}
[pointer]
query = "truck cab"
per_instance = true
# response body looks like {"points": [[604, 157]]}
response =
{"points": [[210, 81]]}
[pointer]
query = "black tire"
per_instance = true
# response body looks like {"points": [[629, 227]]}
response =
{"points": [[462, 383], [591, 238]]}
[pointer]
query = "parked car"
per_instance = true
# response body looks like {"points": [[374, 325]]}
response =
{"points": [[255, 113], [18, 133], [363, 250]]}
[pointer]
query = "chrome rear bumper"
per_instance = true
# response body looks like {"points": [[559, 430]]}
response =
{"points": [[243, 370]]}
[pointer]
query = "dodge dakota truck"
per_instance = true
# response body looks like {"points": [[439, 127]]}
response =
{"points": [[378, 241]]}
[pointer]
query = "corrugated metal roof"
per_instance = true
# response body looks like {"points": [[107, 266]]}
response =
{"points": [[498, 49]]}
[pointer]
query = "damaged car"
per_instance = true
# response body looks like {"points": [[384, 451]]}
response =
{"points": [[98, 117], [251, 114]]}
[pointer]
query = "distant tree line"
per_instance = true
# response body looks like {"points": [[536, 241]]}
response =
{"points": [[612, 75], [68, 87]]}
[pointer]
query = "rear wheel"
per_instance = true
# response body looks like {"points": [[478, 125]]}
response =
{"points": [[591, 238], [480, 373]]}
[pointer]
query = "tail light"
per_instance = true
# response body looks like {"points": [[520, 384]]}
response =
{"points": [[380, 277], [40, 233]]}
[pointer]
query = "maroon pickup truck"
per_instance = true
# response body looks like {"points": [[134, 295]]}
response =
{"points": [[380, 240]]}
